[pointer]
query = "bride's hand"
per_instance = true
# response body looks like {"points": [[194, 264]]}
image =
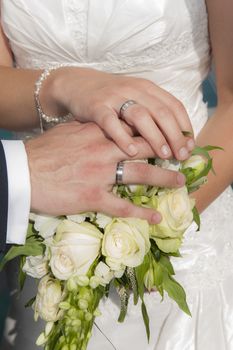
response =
{"points": [[73, 170], [96, 96]]}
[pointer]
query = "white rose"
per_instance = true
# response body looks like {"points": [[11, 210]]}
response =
{"points": [[171, 164], [47, 301], [126, 241], [103, 272], [79, 218], [176, 208], [36, 266], [45, 225], [77, 247], [196, 162], [103, 220]]}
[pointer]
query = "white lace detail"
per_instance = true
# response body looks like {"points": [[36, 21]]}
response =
{"points": [[76, 15]]}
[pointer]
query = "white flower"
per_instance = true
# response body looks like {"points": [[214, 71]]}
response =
{"points": [[125, 242], [47, 301], [79, 218], [103, 272], [196, 162], [176, 209], [36, 266], [103, 220], [75, 251], [171, 164], [45, 225]]}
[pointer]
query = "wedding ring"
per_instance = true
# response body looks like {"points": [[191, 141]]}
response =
{"points": [[119, 173], [126, 105]]}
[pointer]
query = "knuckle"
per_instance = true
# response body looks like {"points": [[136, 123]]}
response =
{"points": [[164, 112], [146, 85], [125, 210], [106, 121], [93, 195], [178, 106], [140, 115]]}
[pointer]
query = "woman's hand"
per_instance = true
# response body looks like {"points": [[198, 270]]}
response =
{"points": [[96, 96], [73, 170]]}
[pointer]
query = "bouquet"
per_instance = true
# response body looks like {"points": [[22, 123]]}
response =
{"points": [[77, 258]]}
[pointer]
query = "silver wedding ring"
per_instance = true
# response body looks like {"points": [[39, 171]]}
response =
{"points": [[126, 105], [119, 173]]}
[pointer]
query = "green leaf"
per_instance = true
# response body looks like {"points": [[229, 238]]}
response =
{"points": [[140, 272], [158, 277], [211, 148], [176, 292], [146, 320], [30, 302], [156, 252], [166, 264], [22, 274], [196, 218], [32, 247]]}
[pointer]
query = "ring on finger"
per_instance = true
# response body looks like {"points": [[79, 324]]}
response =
{"points": [[125, 106], [119, 173]]}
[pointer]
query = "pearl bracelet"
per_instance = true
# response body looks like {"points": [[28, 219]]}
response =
{"points": [[47, 121]]}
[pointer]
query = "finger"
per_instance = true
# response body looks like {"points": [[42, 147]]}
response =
{"points": [[169, 127], [175, 105], [118, 207], [141, 119], [114, 154], [147, 174], [108, 120], [171, 130]]}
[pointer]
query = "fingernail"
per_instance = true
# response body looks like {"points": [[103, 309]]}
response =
{"points": [[183, 153], [166, 150], [132, 150], [156, 218], [180, 179], [190, 144]]}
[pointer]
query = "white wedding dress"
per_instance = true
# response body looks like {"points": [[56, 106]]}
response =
{"points": [[165, 41]]}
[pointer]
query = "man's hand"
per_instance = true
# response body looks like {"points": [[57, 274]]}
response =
{"points": [[73, 169]]}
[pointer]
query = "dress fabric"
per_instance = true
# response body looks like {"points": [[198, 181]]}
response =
{"points": [[167, 42]]}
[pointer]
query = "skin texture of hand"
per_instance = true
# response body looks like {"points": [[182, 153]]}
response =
{"points": [[96, 96], [73, 167]]}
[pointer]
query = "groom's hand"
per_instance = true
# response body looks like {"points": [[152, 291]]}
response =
{"points": [[73, 170]]}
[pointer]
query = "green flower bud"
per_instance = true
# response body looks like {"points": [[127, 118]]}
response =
{"points": [[83, 304], [94, 282], [88, 316], [41, 340], [65, 347], [82, 281], [97, 313], [149, 279], [64, 305], [196, 162], [71, 285], [72, 312], [85, 293], [76, 323], [48, 328], [73, 347]]}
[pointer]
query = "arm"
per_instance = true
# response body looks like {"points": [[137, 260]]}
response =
{"points": [[92, 95], [219, 129]]}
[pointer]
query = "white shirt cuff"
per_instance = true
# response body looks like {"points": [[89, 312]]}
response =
{"points": [[19, 191]]}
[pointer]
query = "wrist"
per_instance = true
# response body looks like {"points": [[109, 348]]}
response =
{"points": [[51, 95]]}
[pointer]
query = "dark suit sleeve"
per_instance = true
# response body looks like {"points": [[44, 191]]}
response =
{"points": [[3, 198]]}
